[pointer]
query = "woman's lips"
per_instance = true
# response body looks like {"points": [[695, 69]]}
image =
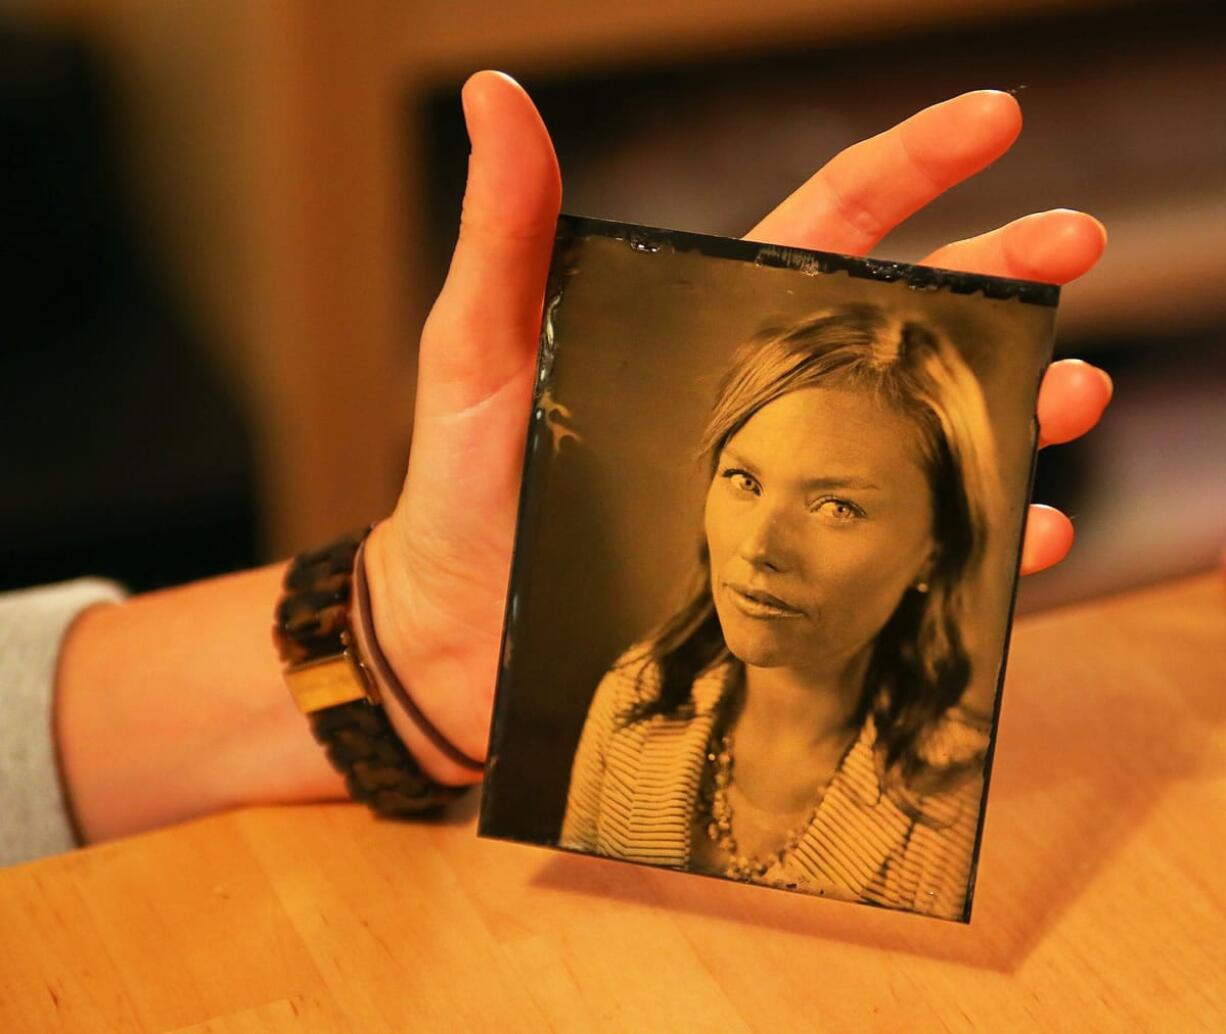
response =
{"points": [[757, 603]]}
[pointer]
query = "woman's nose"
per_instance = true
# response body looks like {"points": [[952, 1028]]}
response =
{"points": [[766, 543]]}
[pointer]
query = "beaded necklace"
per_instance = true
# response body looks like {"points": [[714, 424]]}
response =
{"points": [[719, 823]]}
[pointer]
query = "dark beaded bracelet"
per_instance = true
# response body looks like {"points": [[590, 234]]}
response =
{"points": [[333, 687]]}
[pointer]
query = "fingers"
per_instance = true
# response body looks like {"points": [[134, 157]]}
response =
{"points": [[1049, 537], [1072, 398], [483, 328], [868, 189], [1053, 247]]}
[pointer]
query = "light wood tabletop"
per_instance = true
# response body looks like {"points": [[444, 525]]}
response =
{"points": [[1100, 905]]}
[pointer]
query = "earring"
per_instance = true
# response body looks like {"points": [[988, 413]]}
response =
{"points": [[920, 586]]}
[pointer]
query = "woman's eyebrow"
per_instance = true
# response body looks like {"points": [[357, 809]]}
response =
{"points": [[728, 456], [859, 484], [838, 481]]}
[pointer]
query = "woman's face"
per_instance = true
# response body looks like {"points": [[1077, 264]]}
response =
{"points": [[818, 519]]}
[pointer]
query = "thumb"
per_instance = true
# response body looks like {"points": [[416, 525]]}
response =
{"points": [[483, 328]]}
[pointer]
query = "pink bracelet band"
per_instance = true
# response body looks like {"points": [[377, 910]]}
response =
{"points": [[386, 677]]}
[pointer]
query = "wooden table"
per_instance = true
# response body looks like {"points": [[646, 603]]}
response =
{"points": [[1101, 904]]}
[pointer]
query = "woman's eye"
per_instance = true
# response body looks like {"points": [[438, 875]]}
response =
{"points": [[740, 480], [839, 510]]}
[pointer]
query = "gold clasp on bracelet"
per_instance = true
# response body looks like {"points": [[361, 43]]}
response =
{"points": [[329, 681]]}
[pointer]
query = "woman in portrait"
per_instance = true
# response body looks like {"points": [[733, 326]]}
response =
{"points": [[800, 721]]}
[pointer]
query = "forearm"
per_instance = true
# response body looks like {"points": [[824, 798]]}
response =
{"points": [[171, 705]]}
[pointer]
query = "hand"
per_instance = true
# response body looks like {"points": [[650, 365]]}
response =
{"points": [[439, 566]]}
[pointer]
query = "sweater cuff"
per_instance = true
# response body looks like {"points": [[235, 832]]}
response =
{"points": [[33, 622]]}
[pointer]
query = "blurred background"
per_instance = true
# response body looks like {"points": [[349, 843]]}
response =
{"points": [[223, 223]]}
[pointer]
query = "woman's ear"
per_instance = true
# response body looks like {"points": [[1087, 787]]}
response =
{"points": [[923, 577]]}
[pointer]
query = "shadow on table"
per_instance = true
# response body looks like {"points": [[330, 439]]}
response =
{"points": [[1077, 772]]}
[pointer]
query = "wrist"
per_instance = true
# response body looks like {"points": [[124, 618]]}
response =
{"points": [[170, 705], [418, 688]]}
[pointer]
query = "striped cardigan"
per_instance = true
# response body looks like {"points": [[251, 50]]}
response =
{"points": [[634, 789]]}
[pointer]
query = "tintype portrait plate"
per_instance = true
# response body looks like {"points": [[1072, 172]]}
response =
{"points": [[766, 559]]}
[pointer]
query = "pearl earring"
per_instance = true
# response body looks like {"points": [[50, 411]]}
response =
{"points": [[920, 586]]}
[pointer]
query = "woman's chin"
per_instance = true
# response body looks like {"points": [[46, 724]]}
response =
{"points": [[761, 651]]}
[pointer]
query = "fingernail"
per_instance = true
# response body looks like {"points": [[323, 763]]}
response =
{"points": [[1107, 381], [468, 116], [468, 102]]}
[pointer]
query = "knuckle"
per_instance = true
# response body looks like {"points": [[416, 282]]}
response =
{"points": [[854, 208]]}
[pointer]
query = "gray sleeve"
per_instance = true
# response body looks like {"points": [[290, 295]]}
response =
{"points": [[34, 818]]}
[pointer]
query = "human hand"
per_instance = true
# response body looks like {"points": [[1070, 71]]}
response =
{"points": [[439, 565]]}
